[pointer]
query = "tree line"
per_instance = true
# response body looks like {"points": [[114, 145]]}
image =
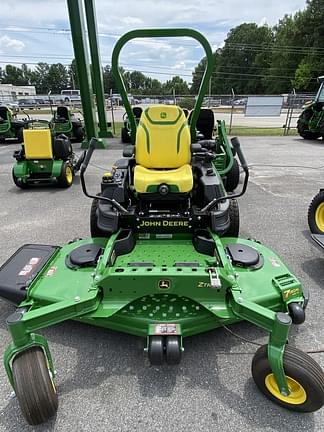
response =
{"points": [[254, 60]]}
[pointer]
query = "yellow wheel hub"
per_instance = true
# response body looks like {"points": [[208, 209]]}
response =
{"points": [[69, 175], [319, 217], [297, 394]]}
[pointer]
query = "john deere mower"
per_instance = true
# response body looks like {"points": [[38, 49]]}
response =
{"points": [[126, 129], [64, 122], [44, 158], [310, 124], [9, 126], [160, 264]]}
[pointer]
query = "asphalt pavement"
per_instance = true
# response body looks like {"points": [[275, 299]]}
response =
{"points": [[104, 379]]}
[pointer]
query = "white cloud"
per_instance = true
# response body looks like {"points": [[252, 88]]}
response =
{"points": [[7, 43], [263, 22], [132, 20]]}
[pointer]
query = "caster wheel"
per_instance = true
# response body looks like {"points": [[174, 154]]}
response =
{"points": [[173, 350], [156, 350], [305, 380], [34, 386]]}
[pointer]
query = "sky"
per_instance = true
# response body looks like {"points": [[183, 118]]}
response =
{"points": [[38, 30]]}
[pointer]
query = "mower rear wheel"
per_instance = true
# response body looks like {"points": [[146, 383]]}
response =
{"points": [[95, 231], [125, 136], [18, 182], [20, 135], [233, 177], [34, 386], [156, 350], [79, 134], [234, 215], [305, 380], [316, 214], [173, 350], [302, 126], [65, 179]]}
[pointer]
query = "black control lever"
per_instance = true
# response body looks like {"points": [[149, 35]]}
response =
{"points": [[237, 146], [84, 166]]}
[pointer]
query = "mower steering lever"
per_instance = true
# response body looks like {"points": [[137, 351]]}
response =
{"points": [[84, 166], [237, 146]]}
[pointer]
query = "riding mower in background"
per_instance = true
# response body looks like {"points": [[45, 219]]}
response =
{"points": [[45, 158], [310, 124], [161, 264], [126, 129], [65, 123], [10, 127]]}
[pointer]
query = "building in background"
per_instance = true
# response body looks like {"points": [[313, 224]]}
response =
{"points": [[12, 93]]}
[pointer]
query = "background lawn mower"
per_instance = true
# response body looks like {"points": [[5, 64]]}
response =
{"points": [[310, 124], [161, 264], [64, 122], [45, 158], [9, 126]]}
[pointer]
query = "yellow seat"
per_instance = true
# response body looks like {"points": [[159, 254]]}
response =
{"points": [[162, 150], [38, 144], [179, 179]]}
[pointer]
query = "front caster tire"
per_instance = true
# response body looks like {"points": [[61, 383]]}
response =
{"points": [[18, 182], [316, 214], [65, 179], [305, 380], [173, 350], [34, 386], [156, 350]]}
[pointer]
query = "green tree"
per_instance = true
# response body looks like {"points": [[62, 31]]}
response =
{"points": [[176, 84], [57, 78]]}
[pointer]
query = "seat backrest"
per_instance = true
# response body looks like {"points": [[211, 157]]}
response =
{"points": [[38, 144], [163, 138], [205, 122], [4, 113], [137, 111], [62, 111]]}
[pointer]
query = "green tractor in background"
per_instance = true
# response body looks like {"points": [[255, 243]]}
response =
{"points": [[9, 126], [65, 123], [310, 124]]}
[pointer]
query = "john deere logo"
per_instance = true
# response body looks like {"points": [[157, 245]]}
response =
{"points": [[164, 283], [163, 115]]}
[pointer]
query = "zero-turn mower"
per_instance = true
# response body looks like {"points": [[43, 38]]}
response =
{"points": [[64, 122], [310, 124], [9, 126], [45, 158], [164, 262]]}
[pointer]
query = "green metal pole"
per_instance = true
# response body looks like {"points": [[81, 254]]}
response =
{"points": [[96, 68], [78, 31]]}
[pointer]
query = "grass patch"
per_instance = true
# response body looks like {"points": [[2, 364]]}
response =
{"points": [[259, 131]]}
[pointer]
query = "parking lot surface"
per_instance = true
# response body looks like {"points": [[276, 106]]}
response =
{"points": [[104, 379]]}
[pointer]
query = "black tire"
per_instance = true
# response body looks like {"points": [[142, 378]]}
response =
{"points": [[233, 177], [20, 135], [125, 136], [302, 126], [234, 215], [17, 182], [65, 179], [95, 231], [173, 350], [79, 134], [156, 350], [298, 366], [316, 214], [34, 387], [79, 162]]}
